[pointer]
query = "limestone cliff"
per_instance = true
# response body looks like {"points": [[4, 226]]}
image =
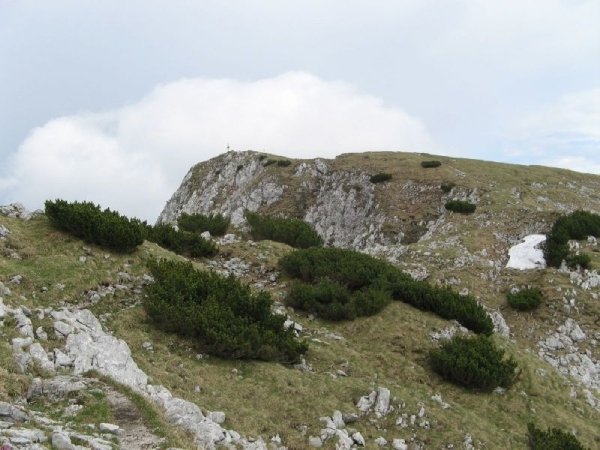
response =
{"points": [[337, 198]]}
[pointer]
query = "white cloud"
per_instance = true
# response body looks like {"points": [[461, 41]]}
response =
{"points": [[133, 158], [563, 134], [523, 35]]}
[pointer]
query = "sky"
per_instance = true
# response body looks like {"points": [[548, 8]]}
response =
{"points": [[113, 101]]}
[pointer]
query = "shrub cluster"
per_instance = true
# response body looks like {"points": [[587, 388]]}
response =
{"points": [[339, 284], [473, 362], [577, 225], [447, 186], [380, 177], [223, 315], [279, 162], [365, 285], [553, 439], [445, 303], [460, 206], [215, 224], [427, 164], [525, 299], [181, 242], [294, 232], [104, 228], [334, 301]]}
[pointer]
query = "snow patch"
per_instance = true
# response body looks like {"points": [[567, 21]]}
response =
{"points": [[527, 255]]}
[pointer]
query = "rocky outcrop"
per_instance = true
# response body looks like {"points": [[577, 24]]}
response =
{"points": [[87, 348]]}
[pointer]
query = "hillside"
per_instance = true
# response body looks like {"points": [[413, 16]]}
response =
{"points": [[50, 278]]}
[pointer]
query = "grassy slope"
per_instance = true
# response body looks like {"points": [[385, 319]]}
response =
{"points": [[387, 350]]}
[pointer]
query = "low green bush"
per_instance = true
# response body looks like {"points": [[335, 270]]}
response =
{"points": [[447, 186], [239, 167], [368, 284], [380, 177], [577, 225], [460, 206], [261, 157], [294, 232], [347, 267], [427, 164], [553, 439], [279, 162], [223, 316], [473, 362], [104, 228], [525, 299], [215, 224], [581, 260], [445, 303], [334, 301], [181, 242]]}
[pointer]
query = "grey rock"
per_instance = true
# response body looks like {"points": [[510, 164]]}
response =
{"points": [[399, 444], [382, 407], [315, 442], [345, 442], [107, 355], [358, 439], [38, 354], [4, 290], [350, 418], [61, 441], [61, 360], [381, 441], [55, 388], [13, 413], [206, 235], [4, 232], [109, 428], [338, 420], [24, 326], [366, 402], [328, 422], [21, 343], [62, 329], [41, 334], [217, 417]]}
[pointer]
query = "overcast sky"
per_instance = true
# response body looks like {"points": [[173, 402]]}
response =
{"points": [[113, 101]]}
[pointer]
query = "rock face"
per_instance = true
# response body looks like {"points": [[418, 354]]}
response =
{"points": [[338, 199]]}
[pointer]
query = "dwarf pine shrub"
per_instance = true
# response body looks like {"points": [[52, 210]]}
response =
{"points": [[473, 362], [222, 315], [525, 299], [428, 164], [460, 206], [553, 439], [380, 177], [447, 186], [284, 162], [181, 242], [577, 225], [215, 224], [367, 285], [294, 232], [105, 228]]}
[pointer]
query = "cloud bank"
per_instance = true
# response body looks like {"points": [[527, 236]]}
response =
{"points": [[564, 134], [133, 158]]}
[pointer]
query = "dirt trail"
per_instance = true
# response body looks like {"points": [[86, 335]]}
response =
{"points": [[134, 435]]}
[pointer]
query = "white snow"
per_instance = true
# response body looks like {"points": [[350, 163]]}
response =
{"points": [[525, 255]]}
